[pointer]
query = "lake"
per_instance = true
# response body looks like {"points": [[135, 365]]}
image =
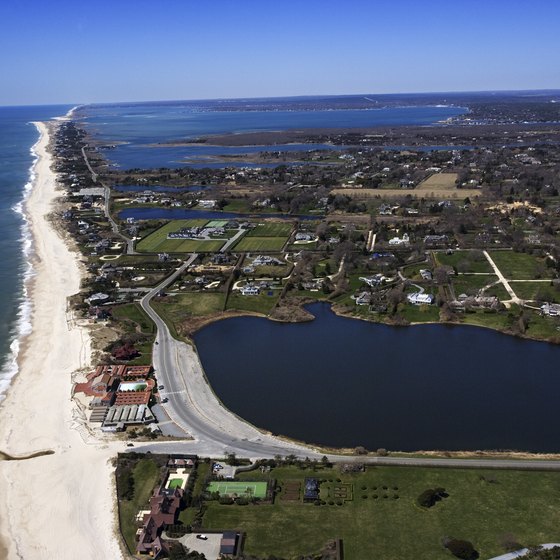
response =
{"points": [[342, 382]]}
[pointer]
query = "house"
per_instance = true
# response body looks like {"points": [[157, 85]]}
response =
{"points": [[551, 309], [250, 291], [425, 274], [420, 299], [363, 299], [404, 240]]}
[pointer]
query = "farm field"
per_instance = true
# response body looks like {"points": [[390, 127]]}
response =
{"points": [[270, 229], [438, 182]]}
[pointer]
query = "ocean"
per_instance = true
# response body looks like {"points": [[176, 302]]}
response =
{"points": [[17, 137]]}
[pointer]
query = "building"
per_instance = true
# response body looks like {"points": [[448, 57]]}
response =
{"points": [[228, 544], [420, 299]]}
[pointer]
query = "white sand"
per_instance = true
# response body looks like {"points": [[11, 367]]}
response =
{"points": [[58, 506]]}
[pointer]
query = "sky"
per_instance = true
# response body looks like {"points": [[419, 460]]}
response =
{"points": [[62, 51]]}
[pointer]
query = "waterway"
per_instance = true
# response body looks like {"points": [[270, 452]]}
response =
{"points": [[341, 382]]}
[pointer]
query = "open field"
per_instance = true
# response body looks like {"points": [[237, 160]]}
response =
{"points": [[464, 261], [471, 284], [263, 303], [520, 266], [376, 514], [438, 182], [248, 489], [537, 291], [178, 307], [271, 229], [251, 244]]}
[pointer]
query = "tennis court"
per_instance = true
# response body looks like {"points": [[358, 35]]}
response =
{"points": [[249, 489]]}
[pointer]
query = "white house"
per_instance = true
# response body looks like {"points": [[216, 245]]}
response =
{"points": [[420, 299]]}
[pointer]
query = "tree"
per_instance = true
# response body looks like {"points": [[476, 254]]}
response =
{"points": [[431, 497], [461, 549]]}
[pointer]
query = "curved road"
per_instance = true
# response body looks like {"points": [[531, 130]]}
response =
{"points": [[194, 408]]}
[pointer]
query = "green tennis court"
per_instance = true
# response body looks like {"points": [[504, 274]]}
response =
{"points": [[175, 483], [249, 489]]}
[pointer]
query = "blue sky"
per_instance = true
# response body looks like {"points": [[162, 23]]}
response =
{"points": [[61, 51]]}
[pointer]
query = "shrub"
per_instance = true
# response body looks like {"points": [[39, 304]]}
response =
{"points": [[431, 496], [461, 549]]}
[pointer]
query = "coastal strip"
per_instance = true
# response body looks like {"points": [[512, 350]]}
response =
{"points": [[74, 484]]}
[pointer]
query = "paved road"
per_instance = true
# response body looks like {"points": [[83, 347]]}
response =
{"points": [[107, 197], [193, 408]]}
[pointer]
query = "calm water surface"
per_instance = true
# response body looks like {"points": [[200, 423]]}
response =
{"points": [[343, 382]]}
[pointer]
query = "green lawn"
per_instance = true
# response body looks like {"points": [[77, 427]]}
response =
{"points": [[471, 284], [178, 307], [465, 261], [520, 266], [157, 241], [419, 313], [145, 475], [537, 291], [263, 303], [252, 244], [133, 314], [381, 519], [271, 229]]}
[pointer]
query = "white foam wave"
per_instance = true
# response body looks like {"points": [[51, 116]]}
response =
{"points": [[22, 327]]}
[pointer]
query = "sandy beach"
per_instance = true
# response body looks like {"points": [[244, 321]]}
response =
{"points": [[60, 505]]}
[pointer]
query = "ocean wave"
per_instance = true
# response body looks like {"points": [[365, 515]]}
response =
{"points": [[22, 327]]}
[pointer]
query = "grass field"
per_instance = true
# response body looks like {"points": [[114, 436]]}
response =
{"points": [[263, 303], [157, 241], [537, 291], [378, 516], [252, 244], [176, 308], [366, 194], [471, 284], [271, 229], [464, 261], [248, 489], [520, 266]]}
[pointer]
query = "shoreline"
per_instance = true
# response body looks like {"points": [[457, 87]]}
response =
{"points": [[73, 484]]}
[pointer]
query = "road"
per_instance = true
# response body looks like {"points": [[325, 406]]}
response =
{"points": [[107, 197], [193, 408]]}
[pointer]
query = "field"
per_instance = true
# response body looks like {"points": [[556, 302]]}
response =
{"points": [[256, 244], [471, 284], [157, 241], [538, 291], [263, 303], [376, 514], [520, 266], [247, 489], [464, 261], [271, 229], [440, 182]]}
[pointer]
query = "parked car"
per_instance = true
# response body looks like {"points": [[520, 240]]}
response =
{"points": [[202, 537]]}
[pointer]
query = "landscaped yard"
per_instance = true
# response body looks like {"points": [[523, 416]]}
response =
{"points": [[271, 229], [538, 291], [376, 514], [262, 303]]}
